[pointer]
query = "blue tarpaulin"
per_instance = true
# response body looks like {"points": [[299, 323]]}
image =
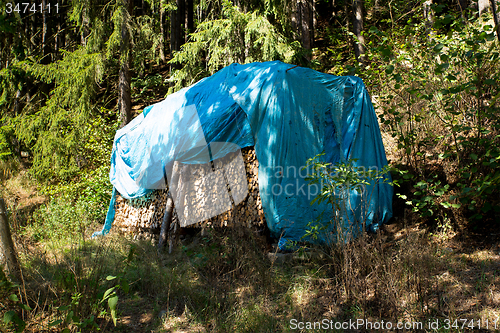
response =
{"points": [[288, 113]]}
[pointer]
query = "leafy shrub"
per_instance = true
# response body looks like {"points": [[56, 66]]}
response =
{"points": [[10, 300], [75, 204], [146, 88], [437, 94], [61, 218], [6, 133], [337, 182]]}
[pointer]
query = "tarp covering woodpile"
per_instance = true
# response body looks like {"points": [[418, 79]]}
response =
{"points": [[288, 114], [142, 217]]}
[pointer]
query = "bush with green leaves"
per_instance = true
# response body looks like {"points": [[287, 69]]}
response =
{"points": [[77, 203], [337, 182], [73, 207], [70, 316], [437, 94], [146, 89], [61, 218], [6, 134]]}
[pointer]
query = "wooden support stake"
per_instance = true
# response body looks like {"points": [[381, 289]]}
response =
{"points": [[172, 236], [169, 209], [7, 245], [175, 227], [165, 225]]}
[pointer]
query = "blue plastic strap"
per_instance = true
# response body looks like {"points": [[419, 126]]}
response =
{"points": [[110, 217]]}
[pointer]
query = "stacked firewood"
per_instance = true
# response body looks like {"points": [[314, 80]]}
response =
{"points": [[143, 217]]}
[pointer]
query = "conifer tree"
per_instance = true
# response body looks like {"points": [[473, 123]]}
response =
{"points": [[236, 37], [55, 123]]}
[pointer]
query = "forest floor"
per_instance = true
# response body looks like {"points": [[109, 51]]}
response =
{"points": [[407, 273]]}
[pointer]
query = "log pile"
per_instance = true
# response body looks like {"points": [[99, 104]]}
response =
{"points": [[199, 187]]}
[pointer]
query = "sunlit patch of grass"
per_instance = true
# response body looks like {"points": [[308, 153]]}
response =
{"points": [[255, 315], [302, 294]]}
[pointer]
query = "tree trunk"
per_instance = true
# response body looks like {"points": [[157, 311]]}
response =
{"points": [[303, 23], [483, 6], [124, 78], [34, 40], [242, 5], [174, 27], [178, 196], [165, 225], [307, 24], [428, 17], [189, 18], [172, 236], [177, 21], [169, 209], [462, 4], [495, 17], [162, 34], [7, 246], [45, 59], [181, 19], [357, 27], [85, 28], [58, 39]]}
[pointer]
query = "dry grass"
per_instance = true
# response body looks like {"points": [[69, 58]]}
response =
{"points": [[224, 281], [218, 283]]}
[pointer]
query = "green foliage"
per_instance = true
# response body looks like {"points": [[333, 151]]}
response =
{"points": [[111, 296], [440, 103], [105, 24], [236, 38], [74, 205], [55, 123], [12, 79], [84, 309], [98, 23], [146, 89], [55, 132], [6, 135], [429, 196], [313, 230], [336, 181], [121, 18], [71, 317], [11, 84], [61, 218], [146, 41], [10, 299]]}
